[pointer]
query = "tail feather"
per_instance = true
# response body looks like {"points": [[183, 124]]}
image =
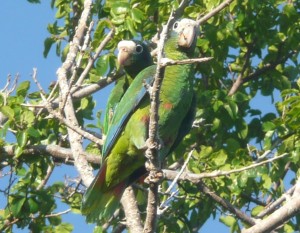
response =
{"points": [[100, 203]]}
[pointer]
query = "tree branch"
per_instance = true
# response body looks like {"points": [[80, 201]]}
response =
{"points": [[226, 204], [133, 218], [169, 62], [153, 163], [92, 59], [62, 154], [214, 11], [280, 216], [85, 170], [196, 178]]}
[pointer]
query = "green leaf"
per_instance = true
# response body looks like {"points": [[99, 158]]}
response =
{"points": [[130, 25], [205, 152], [47, 45], [268, 126], [242, 129], [228, 220], [102, 65], [64, 228], [119, 8], [23, 88], [256, 210], [84, 103], [8, 111], [22, 138], [16, 205], [33, 205], [137, 15], [219, 158], [33, 132]]}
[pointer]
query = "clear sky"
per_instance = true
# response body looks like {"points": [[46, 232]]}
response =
{"points": [[23, 30]]}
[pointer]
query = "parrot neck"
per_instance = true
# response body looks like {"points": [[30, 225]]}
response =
{"points": [[140, 63], [173, 51]]}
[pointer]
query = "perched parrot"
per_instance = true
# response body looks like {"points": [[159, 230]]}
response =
{"points": [[134, 56], [123, 150]]}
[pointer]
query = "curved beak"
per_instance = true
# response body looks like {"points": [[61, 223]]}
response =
{"points": [[125, 48], [186, 36]]}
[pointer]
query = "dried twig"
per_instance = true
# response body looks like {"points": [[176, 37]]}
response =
{"points": [[92, 59], [170, 62], [214, 11], [196, 178]]}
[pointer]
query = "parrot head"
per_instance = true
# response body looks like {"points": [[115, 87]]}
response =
{"points": [[188, 30], [131, 52]]}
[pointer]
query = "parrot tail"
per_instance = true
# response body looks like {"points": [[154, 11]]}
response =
{"points": [[98, 204]]}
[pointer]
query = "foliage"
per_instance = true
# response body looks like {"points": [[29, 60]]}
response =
{"points": [[253, 43]]}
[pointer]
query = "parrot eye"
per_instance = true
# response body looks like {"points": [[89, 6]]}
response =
{"points": [[175, 25], [139, 48]]}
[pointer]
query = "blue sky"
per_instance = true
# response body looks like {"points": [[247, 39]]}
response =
{"points": [[23, 28]]}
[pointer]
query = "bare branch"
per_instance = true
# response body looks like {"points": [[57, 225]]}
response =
{"points": [[57, 152], [196, 178], [92, 59], [75, 139], [214, 11], [280, 216], [58, 214], [45, 180], [79, 59], [133, 218], [226, 204], [151, 153], [272, 207], [170, 62]]}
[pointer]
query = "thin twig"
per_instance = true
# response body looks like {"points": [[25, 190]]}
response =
{"points": [[163, 207], [57, 214], [195, 178], [170, 62], [214, 11], [83, 48], [46, 178], [92, 59]]}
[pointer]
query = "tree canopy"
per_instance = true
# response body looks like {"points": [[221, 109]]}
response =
{"points": [[239, 164]]}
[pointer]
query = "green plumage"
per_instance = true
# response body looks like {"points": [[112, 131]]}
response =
{"points": [[125, 143], [139, 58]]}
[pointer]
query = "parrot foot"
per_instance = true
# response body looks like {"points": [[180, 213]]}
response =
{"points": [[155, 176], [148, 87]]}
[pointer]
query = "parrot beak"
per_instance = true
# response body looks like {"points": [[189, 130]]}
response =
{"points": [[125, 48], [187, 32]]}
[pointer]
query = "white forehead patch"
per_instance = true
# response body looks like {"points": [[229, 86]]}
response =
{"points": [[129, 44]]}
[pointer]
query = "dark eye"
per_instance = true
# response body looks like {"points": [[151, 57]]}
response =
{"points": [[139, 48], [175, 25]]}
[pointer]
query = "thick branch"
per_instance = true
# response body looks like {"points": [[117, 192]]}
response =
{"points": [[63, 155], [226, 204], [280, 216], [133, 218], [75, 139], [152, 152]]}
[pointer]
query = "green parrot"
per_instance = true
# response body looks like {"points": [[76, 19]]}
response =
{"points": [[134, 56], [123, 150]]}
